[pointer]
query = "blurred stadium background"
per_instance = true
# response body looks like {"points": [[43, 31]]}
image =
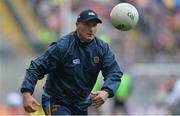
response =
{"points": [[149, 54]]}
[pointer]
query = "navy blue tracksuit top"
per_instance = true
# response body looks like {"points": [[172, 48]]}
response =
{"points": [[72, 68]]}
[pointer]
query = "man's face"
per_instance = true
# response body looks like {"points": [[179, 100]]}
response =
{"points": [[87, 30]]}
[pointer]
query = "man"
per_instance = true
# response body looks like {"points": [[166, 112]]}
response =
{"points": [[72, 64]]}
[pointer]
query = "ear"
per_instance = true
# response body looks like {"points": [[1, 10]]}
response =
{"points": [[77, 24]]}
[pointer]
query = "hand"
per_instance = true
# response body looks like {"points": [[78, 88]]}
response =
{"points": [[29, 102], [99, 98]]}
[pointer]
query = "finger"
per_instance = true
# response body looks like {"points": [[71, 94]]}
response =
{"points": [[29, 109], [36, 103], [93, 104], [97, 102], [96, 98], [26, 109], [100, 102]]}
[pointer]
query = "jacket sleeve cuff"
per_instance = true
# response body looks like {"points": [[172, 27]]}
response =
{"points": [[26, 90]]}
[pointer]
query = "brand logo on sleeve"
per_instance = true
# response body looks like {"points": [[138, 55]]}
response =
{"points": [[76, 61]]}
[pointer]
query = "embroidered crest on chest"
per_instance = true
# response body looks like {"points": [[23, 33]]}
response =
{"points": [[96, 59]]}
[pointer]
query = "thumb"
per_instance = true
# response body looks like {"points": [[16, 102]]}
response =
{"points": [[36, 103], [93, 94]]}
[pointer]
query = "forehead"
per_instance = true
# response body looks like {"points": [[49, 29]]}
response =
{"points": [[91, 22]]}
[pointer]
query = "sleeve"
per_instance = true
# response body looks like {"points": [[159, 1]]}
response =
{"points": [[111, 72], [41, 66]]}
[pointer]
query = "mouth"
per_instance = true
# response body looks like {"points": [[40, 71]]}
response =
{"points": [[90, 34]]}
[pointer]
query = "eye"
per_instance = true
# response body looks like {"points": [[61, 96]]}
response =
{"points": [[95, 24]]}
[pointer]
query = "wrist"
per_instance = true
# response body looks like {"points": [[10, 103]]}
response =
{"points": [[107, 92], [25, 94], [24, 90]]}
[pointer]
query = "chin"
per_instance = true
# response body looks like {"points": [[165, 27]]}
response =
{"points": [[88, 40]]}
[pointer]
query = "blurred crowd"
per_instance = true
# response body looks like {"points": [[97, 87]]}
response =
{"points": [[155, 39]]}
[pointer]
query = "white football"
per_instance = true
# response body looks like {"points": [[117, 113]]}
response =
{"points": [[124, 16]]}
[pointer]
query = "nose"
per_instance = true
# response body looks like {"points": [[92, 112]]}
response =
{"points": [[92, 28]]}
